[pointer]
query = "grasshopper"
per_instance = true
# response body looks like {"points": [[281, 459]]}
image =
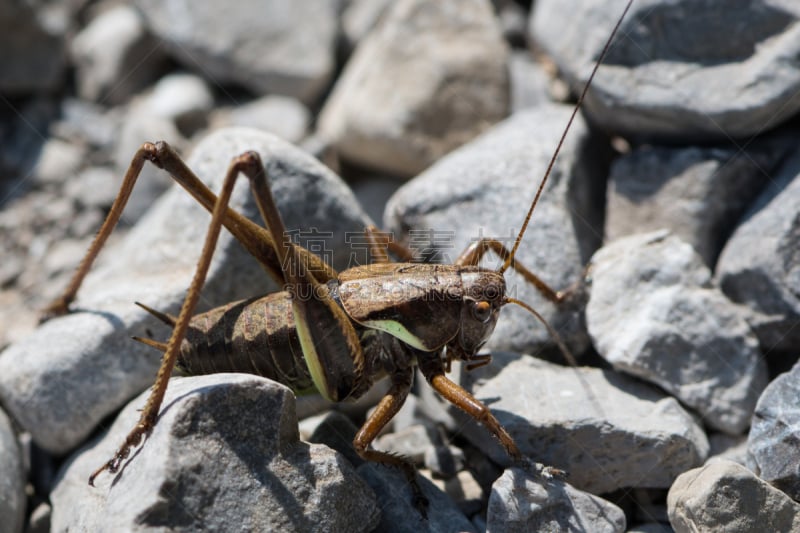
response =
{"points": [[348, 328]]}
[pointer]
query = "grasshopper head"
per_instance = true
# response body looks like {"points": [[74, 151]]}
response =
{"points": [[484, 293]]}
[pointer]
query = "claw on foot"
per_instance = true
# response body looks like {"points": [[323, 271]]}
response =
{"points": [[56, 308]]}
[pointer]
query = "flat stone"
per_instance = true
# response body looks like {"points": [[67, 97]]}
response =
{"points": [[225, 451], [521, 502], [773, 438], [429, 78], [265, 46], [605, 430], [73, 371], [654, 313], [484, 188], [760, 266], [661, 81], [725, 495]]}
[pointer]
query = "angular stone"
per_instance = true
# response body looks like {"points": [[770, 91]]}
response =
{"points": [[697, 193], [521, 502], [398, 513], [775, 433], [444, 65], [265, 46], [180, 97], [61, 381], [605, 430], [654, 313], [723, 495], [225, 451], [484, 189], [760, 265], [663, 82]]}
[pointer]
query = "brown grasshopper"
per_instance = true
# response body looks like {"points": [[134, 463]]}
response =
{"points": [[351, 327]]}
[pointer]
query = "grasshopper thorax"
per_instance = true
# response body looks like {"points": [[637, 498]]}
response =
{"points": [[427, 307]]}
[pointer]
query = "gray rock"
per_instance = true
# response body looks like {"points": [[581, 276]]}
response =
{"points": [[650, 527], [398, 514], [444, 64], [521, 502], [529, 82], [654, 313], [772, 443], [265, 46], [225, 451], [86, 122], [731, 448], [725, 495], [284, 116], [444, 460], [697, 193], [760, 265], [411, 442], [180, 97], [337, 431], [58, 162], [75, 370], [360, 17], [12, 479], [662, 81], [115, 56], [605, 430], [37, 39], [465, 491], [484, 189]]}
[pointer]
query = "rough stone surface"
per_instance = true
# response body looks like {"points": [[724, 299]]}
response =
{"points": [[484, 188], [12, 479], [398, 514], [726, 496], [44, 379], [697, 193], [521, 502], [675, 73], [432, 76], [115, 56], [607, 431], [773, 441], [529, 82], [412, 442], [225, 451], [266, 46], [760, 266], [654, 313]]}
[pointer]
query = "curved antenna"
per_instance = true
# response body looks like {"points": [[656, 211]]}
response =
{"points": [[550, 165]]}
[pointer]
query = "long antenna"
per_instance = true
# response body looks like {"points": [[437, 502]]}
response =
{"points": [[510, 258]]}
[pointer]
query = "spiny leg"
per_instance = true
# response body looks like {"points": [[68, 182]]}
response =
{"points": [[433, 371], [389, 405], [254, 238], [149, 414]]}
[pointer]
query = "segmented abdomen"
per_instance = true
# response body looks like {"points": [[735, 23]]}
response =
{"points": [[255, 336]]}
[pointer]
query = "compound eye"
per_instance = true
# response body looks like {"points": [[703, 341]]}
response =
{"points": [[482, 311]]}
